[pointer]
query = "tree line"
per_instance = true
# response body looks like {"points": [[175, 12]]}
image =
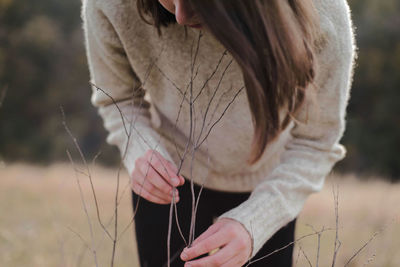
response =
{"points": [[43, 65]]}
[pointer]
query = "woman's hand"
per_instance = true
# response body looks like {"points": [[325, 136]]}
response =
{"points": [[227, 235], [154, 178]]}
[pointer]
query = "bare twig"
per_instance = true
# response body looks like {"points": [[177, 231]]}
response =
{"points": [[212, 98], [362, 248], [172, 82], [93, 250], [220, 117], [297, 258], [211, 76], [337, 241], [84, 242], [176, 123], [318, 248], [88, 174], [288, 245], [151, 66], [224, 94], [115, 104], [305, 255], [319, 234], [76, 144]]}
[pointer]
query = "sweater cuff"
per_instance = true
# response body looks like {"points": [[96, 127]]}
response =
{"points": [[263, 216], [141, 140]]}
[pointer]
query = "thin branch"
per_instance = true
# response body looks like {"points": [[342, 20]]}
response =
{"points": [[191, 137], [116, 216], [128, 134], [93, 250], [288, 245], [362, 248], [297, 258], [337, 241], [305, 256], [172, 82], [151, 66], [220, 117], [115, 104], [212, 98], [176, 122], [116, 201], [318, 248], [319, 234], [211, 76], [84, 242], [88, 172], [218, 104], [94, 160]]}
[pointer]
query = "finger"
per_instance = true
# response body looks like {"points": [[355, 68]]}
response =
{"points": [[148, 182], [163, 167], [152, 176], [149, 187], [207, 245], [139, 190], [210, 231], [182, 179], [220, 258], [236, 253], [175, 171]]}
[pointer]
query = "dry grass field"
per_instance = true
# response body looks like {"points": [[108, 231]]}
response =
{"points": [[43, 223]]}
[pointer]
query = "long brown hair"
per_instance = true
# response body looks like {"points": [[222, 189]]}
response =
{"points": [[272, 41]]}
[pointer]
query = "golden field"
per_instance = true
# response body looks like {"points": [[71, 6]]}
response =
{"points": [[43, 223]]}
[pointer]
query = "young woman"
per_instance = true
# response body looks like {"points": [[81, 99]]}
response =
{"points": [[246, 98]]}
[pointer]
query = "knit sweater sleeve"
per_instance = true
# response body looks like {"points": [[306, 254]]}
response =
{"points": [[313, 148], [117, 91]]}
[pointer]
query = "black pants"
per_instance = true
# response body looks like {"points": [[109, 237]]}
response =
{"points": [[151, 223]]}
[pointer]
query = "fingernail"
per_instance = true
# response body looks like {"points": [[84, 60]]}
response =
{"points": [[184, 257], [175, 181]]}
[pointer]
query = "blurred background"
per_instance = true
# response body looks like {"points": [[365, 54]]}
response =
{"points": [[43, 66]]}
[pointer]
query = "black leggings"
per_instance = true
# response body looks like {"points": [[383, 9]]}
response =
{"points": [[151, 225]]}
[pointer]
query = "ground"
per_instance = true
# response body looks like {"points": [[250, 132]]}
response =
{"points": [[43, 222]]}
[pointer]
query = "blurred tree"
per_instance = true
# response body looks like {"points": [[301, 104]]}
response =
{"points": [[373, 129], [43, 62]]}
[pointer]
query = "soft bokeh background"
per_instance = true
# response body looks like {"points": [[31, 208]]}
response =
{"points": [[43, 66]]}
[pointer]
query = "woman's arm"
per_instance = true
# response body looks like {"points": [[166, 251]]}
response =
{"points": [[309, 156], [314, 147], [119, 97]]}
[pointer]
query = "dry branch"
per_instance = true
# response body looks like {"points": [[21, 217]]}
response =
{"points": [[92, 249], [337, 241], [361, 248], [288, 245]]}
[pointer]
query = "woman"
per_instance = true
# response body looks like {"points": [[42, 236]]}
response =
{"points": [[247, 99]]}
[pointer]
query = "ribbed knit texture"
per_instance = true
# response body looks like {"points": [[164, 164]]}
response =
{"points": [[149, 78]]}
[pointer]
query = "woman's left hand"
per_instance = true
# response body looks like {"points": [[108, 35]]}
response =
{"points": [[227, 235]]}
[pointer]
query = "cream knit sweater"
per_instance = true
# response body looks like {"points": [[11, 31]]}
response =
{"points": [[128, 59]]}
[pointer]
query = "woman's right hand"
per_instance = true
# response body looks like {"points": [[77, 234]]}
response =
{"points": [[154, 178]]}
